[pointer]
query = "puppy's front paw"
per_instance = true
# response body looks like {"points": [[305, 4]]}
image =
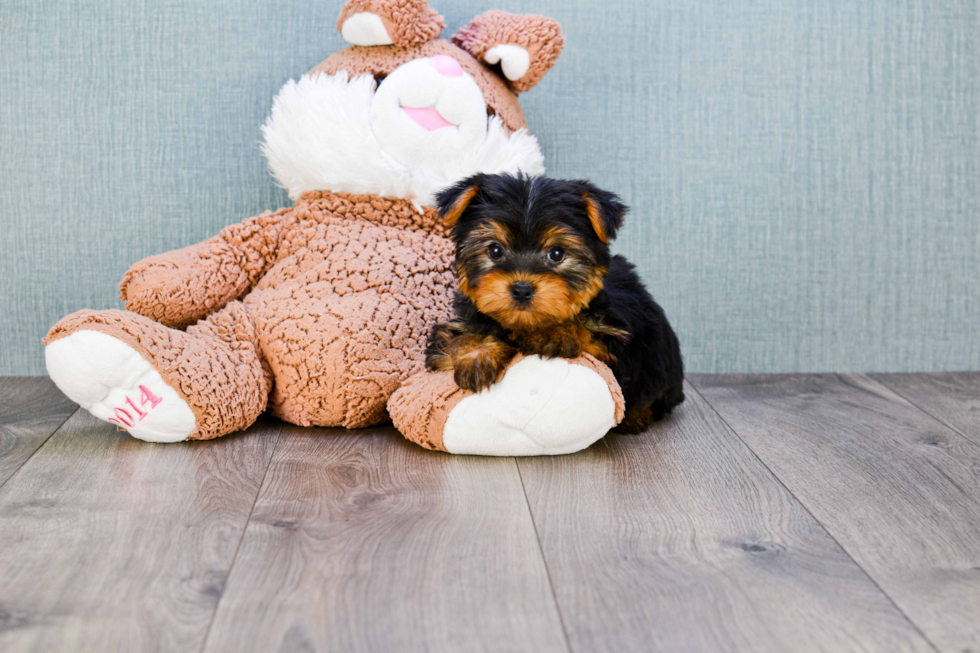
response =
{"points": [[563, 341], [478, 362], [475, 374], [563, 344]]}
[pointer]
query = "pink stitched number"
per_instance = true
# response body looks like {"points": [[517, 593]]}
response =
{"points": [[138, 411], [127, 421], [147, 396]]}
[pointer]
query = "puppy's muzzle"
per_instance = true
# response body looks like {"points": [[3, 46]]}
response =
{"points": [[522, 292]]}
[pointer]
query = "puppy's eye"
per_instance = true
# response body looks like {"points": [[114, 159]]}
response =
{"points": [[556, 255], [495, 252]]}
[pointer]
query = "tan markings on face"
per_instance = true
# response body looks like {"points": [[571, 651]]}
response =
{"points": [[474, 256], [490, 232], [571, 242], [462, 279], [553, 302]]}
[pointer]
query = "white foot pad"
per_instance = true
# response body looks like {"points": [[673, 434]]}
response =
{"points": [[109, 379], [540, 407]]}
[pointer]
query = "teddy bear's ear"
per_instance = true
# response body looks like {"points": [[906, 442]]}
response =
{"points": [[525, 46], [389, 22]]}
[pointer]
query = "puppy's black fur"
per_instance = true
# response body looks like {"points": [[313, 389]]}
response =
{"points": [[536, 277]]}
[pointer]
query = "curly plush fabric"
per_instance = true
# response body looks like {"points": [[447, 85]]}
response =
{"points": [[539, 35], [420, 407], [224, 268], [345, 289], [380, 60], [181, 287], [408, 22]]}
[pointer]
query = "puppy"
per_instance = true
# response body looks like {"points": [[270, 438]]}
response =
{"points": [[536, 277]]}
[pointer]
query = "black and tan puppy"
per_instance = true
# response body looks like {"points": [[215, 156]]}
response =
{"points": [[536, 277]]}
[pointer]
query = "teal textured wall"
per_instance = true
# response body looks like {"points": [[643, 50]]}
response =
{"points": [[805, 175]]}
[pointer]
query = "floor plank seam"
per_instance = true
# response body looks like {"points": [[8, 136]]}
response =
{"points": [[39, 447], [935, 418], [779, 480], [241, 538], [544, 560]]}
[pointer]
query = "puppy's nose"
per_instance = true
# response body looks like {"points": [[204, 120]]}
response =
{"points": [[522, 292], [446, 65]]}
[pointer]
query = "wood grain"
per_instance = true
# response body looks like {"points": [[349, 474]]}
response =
{"points": [[681, 540], [898, 490], [31, 409], [953, 398], [113, 544], [365, 542]]}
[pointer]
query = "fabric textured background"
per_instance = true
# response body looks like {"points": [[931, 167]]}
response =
{"points": [[805, 175]]}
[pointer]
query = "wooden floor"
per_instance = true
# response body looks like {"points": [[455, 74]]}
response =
{"points": [[770, 513]]}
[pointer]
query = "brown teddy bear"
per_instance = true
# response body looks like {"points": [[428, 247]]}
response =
{"points": [[320, 312]]}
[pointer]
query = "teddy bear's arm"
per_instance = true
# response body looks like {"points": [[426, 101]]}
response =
{"points": [[539, 406], [183, 286]]}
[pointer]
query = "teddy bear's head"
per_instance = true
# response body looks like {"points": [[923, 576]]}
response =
{"points": [[402, 113]]}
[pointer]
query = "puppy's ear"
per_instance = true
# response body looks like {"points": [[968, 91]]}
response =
{"points": [[389, 22], [605, 211], [455, 199]]}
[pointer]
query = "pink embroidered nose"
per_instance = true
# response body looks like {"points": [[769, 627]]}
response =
{"points": [[446, 65]]}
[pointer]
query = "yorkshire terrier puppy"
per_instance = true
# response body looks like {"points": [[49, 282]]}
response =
{"points": [[536, 277]]}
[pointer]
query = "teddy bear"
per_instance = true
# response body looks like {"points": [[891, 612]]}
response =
{"points": [[319, 312]]}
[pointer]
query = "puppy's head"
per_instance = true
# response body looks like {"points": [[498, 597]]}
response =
{"points": [[530, 251]]}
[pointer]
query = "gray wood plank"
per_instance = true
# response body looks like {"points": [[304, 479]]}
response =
{"points": [[679, 539], [951, 397], [113, 544], [897, 489], [31, 409], [365, 542]]}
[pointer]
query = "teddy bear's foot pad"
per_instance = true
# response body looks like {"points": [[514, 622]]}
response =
{"points": [[111, 380], [540, 407]]}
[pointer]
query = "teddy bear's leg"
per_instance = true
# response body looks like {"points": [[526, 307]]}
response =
{"points": [[539, 407], [158, 383]]}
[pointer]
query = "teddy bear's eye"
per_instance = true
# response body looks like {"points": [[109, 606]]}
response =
{"points": [[556, 255], [495, 252]]}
